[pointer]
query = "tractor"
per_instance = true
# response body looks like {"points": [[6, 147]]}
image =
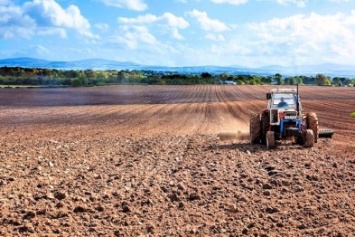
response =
{"points": [[284, 119]]}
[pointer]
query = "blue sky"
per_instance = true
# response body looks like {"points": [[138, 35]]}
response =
{"points": [[250, 33]]}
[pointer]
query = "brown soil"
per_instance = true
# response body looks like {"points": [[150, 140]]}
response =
{"points": [[145, 160]]}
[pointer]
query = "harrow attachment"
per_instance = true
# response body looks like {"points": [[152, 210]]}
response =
{"points": [[233, 135], [325, 133]]}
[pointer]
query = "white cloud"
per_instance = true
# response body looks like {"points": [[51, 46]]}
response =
{"points": [[145, 19], [167, 21], [142, 33], [302, 28], [167, 18], [50, 13], [136, 5], [299, 39], [13, 22], [52, 31], [298, 3], [308, 37], [11, 15], [206, 23], [137, 44], [133, 36], [173, 21], [43, 18], [177, 35], [13, 31], [143, 39], [233, 2], [40, 49]]}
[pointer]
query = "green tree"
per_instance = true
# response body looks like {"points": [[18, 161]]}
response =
{"points": [[344, 80], [206, 75], [255, 80], [76, 82], [336, 81], [224, 76], [292, 81], [321, 79], [89, 73], [241, 82], [299, 80], [266, 80], [121, 77], [278, 78]]}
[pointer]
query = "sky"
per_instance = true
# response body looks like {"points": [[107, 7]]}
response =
{"points": [[252, 33]]}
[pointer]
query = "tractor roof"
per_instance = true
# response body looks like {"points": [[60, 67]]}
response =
{"points": [[283, 91]]}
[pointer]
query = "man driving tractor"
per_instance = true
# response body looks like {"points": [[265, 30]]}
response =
{"points": [[282, 103]]}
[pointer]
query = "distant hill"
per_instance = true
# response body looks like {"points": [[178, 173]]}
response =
{"points": [[95, 64], [102, 64]]}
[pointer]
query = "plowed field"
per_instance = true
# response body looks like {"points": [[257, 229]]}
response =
{"points": [[145, 160]]}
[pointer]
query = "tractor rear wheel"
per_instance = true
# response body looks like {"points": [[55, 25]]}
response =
{"points": [[265, 122], [312, 123], [255, 128], [270, 140], [309, 138], [301, 138]]}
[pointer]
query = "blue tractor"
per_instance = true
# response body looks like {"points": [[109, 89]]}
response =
{"points": [[283, 119]]}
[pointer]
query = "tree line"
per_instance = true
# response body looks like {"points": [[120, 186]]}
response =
{"points": [[76, 78]]}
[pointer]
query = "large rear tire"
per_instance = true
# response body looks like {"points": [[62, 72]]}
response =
{"points": [[301, 138], [312, 123], [265, 124], [309, 139], [270, 140], [255, 128]]}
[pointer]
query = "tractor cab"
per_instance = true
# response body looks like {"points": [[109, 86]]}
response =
{"points": [[284, 108], [278, 96], [286, 101]]}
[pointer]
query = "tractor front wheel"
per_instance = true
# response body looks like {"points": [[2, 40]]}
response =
{"points": [[309, 138], [312, 123]]}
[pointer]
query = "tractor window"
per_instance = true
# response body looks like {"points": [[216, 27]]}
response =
{"points": [[288, 98]]}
